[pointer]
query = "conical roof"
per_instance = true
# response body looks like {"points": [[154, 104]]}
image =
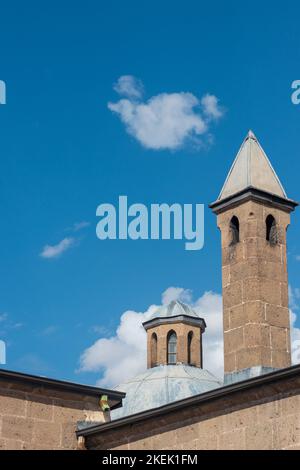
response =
{"points": [[251, 169]]}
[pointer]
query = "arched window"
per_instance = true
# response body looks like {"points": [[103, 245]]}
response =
{"points": [[153, 350], [234, 228], [172, 347], [271, 230], [189, 345]]}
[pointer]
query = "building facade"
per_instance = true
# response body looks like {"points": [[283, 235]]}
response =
{"points": [[262, 413], [258, 405], [38, 413], [176, 404]]}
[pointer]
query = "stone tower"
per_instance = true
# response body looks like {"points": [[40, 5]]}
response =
{"points": [[174, 336], [253, 213]]}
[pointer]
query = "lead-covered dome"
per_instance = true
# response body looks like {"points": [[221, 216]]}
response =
{"points": [[161, 385], [174, 309]]}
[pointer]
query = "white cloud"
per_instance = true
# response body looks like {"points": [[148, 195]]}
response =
{"points": [[80, 225], [49, 330], [176, 293], [17, 326], [77, 226], [100, 330], [124, 355], [31, 362], [209, 306], [54, 251], [167, 120], [211, 107], [295, 338], [294, 296], [7, 324], [3, 317], [130, 86], [121, 356]]}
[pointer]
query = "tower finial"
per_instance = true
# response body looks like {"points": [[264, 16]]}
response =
{"points": [[251, 135]]}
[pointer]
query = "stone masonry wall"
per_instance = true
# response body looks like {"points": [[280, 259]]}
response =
{"points": [[35, 417], [255, 290], [267, 417]]}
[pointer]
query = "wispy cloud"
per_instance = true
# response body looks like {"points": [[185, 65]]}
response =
{"points": [[16, 326], [100, 330], [77, 226], [49, 330], [54, 251], [176, 293], [211, 107], [3, 317], [32, 362], [8, 324], [80, 225], [129, 86], [167, 120]]}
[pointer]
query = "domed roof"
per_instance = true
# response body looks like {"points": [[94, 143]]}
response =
{"points": [[175, 309], [161, 385]]}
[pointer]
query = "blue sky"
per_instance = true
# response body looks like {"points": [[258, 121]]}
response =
{"points": [[63, 152]]}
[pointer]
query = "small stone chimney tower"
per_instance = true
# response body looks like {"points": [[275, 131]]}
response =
{"points": [[174, 336], [253, 213]]}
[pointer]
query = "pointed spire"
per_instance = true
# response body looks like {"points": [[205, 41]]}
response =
{"points": [[251, 135], [251, 169]]}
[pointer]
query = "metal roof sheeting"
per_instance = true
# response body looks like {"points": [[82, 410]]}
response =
{"points": [[164, 384], [251, 168]]}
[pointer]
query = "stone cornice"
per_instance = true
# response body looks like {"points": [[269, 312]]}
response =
{"points": [[253, 194]]}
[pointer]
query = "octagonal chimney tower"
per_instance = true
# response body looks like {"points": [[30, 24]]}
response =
{"points": [[174, 336]]}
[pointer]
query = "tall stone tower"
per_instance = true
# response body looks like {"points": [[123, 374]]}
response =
{"points": [[253, 213]]}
